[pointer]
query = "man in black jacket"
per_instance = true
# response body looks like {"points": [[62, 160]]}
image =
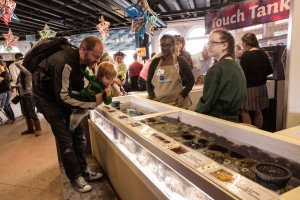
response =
{"points": [[54, 81]]}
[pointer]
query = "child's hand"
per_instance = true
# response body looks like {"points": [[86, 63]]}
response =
{"points": [[99, 98], [107, 91]]}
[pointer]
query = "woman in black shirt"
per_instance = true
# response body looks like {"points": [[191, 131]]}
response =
{"points": [[256, 65]]}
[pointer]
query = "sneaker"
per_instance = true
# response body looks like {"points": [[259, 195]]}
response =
{"points": [[81, 185], [91, 176]]}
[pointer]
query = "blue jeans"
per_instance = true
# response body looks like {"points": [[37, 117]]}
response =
{"points": [[7, 108], [72, 146]]}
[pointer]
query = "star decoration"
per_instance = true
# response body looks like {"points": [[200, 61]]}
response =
{"points": [[46, 32], [103, 28], [10, 39], [7, 8]]}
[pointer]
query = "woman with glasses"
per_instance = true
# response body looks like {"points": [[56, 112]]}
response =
{"points": [[256, 65], [165, 74], [224, 84]]}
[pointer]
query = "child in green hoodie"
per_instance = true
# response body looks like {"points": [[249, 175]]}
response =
{"points": [[101, 83]]}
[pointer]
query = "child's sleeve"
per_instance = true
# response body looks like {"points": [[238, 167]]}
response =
{"points": [[88, 75], [107, 99]]}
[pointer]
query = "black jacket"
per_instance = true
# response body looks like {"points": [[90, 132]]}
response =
{"points": [[58, 76]]}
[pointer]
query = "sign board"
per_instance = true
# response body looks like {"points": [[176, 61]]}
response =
{"points": [[118, 39], [247, 13], [30, 38], [141, 52]]}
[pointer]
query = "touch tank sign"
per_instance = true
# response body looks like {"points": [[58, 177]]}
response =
{"points": [[247, 13]]}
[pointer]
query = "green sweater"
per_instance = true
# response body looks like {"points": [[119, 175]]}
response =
{"points": [[94, 87], [224, 91]]}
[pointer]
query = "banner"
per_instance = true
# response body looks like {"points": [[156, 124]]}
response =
{"points": [[247, 13], [118, 39]]}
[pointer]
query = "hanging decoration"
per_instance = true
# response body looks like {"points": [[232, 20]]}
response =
{"points": [[10, 39], [134, 11], [143, 18], [7, 8], [103, 28], [143, 4], [46, 32]]}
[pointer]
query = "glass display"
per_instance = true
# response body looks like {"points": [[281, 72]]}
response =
{"points": [[239, 158], [219, 153], [172, 184]]}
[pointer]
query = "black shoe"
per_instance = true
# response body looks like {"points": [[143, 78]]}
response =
{"points": [[91, 176], [81, 185]]}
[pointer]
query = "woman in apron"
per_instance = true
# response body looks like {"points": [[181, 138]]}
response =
{"points": [[165, 74]]}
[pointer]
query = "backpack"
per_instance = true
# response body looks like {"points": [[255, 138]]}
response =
{"points": [[42, 50]]}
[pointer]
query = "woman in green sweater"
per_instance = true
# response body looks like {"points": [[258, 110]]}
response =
{"points": [[225, 83]]}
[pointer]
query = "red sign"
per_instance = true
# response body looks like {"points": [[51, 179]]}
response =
{"points": [[247, 13]]}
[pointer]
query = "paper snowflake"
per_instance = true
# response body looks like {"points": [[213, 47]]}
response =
{"points": [[46, 32], [10, 39]]}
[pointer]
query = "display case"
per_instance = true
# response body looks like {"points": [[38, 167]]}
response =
{"points": [[151, 150]]}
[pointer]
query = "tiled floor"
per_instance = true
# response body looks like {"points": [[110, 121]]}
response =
{"points": [[29, 167]]}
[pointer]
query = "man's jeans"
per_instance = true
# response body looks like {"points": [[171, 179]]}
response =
{"points": [[72, 146]]}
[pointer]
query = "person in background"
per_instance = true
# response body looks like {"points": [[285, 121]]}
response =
{"points": [[143, 74], [15, 71], [5, 88], [27, 103], [238, 52], [256, 65], [52, 84], [121, 77], [164, 81], [225, 83], [134, 71], [180, 43], [202, 61], [105, 57], [100, 83], [180, 50]]}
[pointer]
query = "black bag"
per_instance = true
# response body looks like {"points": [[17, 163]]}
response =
{"points": [[16, 99], [42, 50]]}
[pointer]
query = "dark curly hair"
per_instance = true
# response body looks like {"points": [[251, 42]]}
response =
{"points": [[119, 53]]}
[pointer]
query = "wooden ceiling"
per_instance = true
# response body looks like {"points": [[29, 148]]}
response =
{"points": [[68, 17]]}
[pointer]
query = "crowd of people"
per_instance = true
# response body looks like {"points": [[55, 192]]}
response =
{"points": [[234, 87]]}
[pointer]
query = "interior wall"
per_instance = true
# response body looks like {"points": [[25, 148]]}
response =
{"points": [[293, 69]]}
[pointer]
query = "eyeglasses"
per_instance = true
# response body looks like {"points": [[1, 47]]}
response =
{"points": [[210, 43]]}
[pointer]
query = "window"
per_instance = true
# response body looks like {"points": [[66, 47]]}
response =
{"points": [[196, 39], [250, 28], [169, 31], [282, 21], [282, 32]]}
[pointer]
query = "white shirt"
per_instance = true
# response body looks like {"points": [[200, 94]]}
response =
{"points": [[14, 72], [200, 65]]}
